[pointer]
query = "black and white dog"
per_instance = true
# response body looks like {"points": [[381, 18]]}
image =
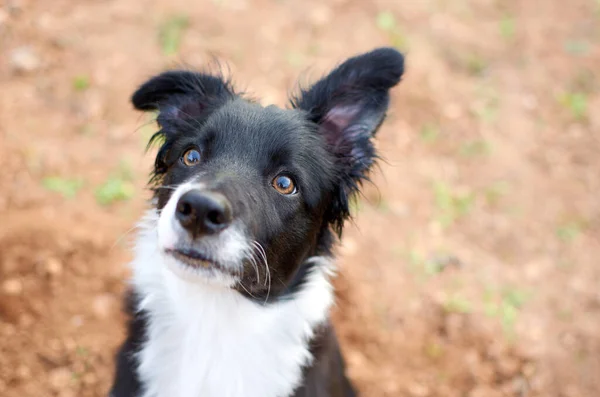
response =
{"points": [[231, 278]]}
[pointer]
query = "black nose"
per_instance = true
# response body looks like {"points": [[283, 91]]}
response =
{"points": [[203, 213]]}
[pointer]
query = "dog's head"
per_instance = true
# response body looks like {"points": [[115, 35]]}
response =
{"points": [[246, 193]]}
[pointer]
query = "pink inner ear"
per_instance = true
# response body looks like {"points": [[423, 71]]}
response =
{"points": [[337, 120]]}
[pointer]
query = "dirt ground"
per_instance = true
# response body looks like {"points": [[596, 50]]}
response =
{"points": [[472, 266]]}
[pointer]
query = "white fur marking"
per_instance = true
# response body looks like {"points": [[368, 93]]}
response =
{"points": [[207, 340], [229, 247]]}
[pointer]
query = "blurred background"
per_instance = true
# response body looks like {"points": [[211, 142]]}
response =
{"points": [[471, 269]]}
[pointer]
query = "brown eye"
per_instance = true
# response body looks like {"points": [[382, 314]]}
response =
{"points": [[284, 185], [191, 157]]}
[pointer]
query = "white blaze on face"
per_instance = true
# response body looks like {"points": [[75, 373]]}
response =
{"points": [[168, 235], [228, 248]]}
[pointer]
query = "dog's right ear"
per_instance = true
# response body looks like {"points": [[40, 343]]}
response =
{"points": [[182, 94]]}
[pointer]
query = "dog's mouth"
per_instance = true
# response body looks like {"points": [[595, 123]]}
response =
{"points": [[198, 260]]}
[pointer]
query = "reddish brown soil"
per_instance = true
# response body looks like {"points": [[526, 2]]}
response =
{"points": [[493, 294]]}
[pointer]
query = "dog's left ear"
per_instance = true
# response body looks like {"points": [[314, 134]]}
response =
{"points": [[349, 105]]}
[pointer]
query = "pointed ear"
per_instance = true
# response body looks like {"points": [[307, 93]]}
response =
{"points": [[350, 103], [182, 94], [348, 106]]}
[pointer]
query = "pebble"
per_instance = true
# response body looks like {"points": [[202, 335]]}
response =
{"points": [[508, 366], [59, 378], [69, 344], [399, 208], [349, 247], [77, 321], [529, 370], [3, 16], [53, 266], [8, 330], [484, 391], [418, 390], [452, 111], [356, 359], [529, 102], [12, 286], [23, 372], [26, 320], [320, 15], [24, 59], [14, 6], [90, 379], [103, 305]]}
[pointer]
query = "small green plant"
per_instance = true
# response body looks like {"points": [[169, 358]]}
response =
{"points": [[585, 82], [81, 83], [125, 171], [475, 64], [515, 297], [490, 307], [355, 205], [434, 350], [569, 231], [487, 108], [565, 315], [313, 49], [171, 33], [457, 304], [506, 306], [451, 206], [386, 21], [494, 192], [146, 132], [86, 129], [429, 133], [477, 147], [415, 259], [113, 190], [295, 58], [507, 27], [423, 266], [68, 188], [576, 103], [383, 206], [118, 187], [82, 351], [577, 47]]}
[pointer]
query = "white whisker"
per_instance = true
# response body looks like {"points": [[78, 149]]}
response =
{"points": [[255, 266], [172, 187], [122, 236], [263, 255], [248, 292]]}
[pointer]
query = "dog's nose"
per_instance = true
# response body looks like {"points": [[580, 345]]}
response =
{"points": [[203, 213]]}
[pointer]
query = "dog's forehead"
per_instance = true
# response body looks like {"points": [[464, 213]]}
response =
{"points": [[266, 139], [271, 126]]}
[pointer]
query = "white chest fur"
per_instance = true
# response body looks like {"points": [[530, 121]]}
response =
{"points": [[208, 341]]}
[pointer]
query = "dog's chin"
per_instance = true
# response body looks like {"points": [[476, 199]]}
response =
{"points": [[192, 266]]}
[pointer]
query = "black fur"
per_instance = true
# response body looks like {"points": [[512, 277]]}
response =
{"points": [[323, 143]]}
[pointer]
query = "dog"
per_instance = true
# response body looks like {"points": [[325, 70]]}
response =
{"points": [[230, 290]]}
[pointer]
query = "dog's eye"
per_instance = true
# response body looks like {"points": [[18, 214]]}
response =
{"points": [[284, 184], [191, 157]]}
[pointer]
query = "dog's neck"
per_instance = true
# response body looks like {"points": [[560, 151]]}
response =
{"points": [[210, 341]]}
